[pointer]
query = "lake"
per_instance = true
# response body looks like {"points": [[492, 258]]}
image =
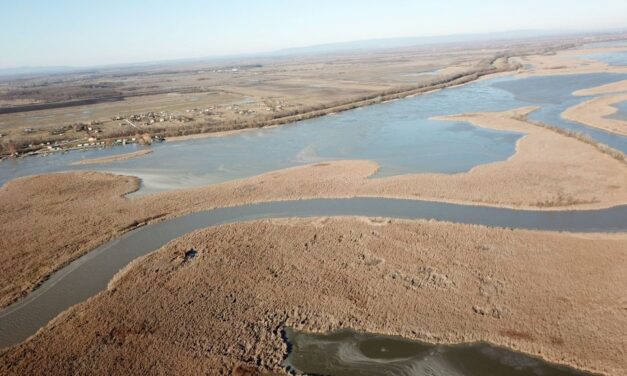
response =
{"points": [[398, 135]]}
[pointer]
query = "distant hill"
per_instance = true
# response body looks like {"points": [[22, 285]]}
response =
{"points": [[28, 71], [390, 43], [329, 48]]}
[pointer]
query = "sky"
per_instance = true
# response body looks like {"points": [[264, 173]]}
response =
{"points": [[99, 32]]}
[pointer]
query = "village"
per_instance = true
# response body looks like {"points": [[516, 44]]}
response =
{"points": [[313, 188], [134, 127]]}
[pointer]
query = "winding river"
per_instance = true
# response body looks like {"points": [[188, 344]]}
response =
{"points": [[399, 136], [91, 273]]}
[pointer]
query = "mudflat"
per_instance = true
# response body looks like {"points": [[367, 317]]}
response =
{"points": [[223, 310]]}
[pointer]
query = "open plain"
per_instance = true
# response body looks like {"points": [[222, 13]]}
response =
{"points": [[89, 108]]}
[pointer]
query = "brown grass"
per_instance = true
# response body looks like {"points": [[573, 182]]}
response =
{"points": [[224, 310], [616, 154], [596, 111], [348, 82], [52, 219], [49, 222]]}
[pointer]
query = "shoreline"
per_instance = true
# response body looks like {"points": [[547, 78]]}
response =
{"points": [[576, 65], [325, 179], [119, 247], [304, 114], [456, 80], [499, 65], [594, 113], [570, 61], [553, 182], [113, 158], [475, 300], [216, 299]]}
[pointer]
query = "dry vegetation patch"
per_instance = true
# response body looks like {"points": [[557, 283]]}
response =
{"points": [[52, 219], [551, 295], [48, 222]]}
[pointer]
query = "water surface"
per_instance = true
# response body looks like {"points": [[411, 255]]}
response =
{"points": [[554, 95], [91, 273], [398, 135], [618, 58], [350, 353], [614, 43], [622, 111]]}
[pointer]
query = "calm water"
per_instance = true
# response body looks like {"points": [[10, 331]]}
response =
{"points": [[622, 111], [611, 58], [398, 136], [616, 43], [90, 274], [351, 353], [554, 95]]}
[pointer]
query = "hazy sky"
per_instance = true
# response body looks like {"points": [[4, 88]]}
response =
{"points": [[90, 32]]}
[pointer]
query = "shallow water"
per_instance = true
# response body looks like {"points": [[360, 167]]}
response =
{"points": [[398, 135], [351, 353], [616, 43], [611, 58], [554, 95], [90, 274], [622, 111]]}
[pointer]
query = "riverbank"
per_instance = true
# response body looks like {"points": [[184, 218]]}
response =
{"points": [[611, 88], [51, 220], [494, 66], [595, 113], [42, 232], [222, 310], [570, 61], [490, 65], [114, 158], [553, 180], [200, 136]]}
